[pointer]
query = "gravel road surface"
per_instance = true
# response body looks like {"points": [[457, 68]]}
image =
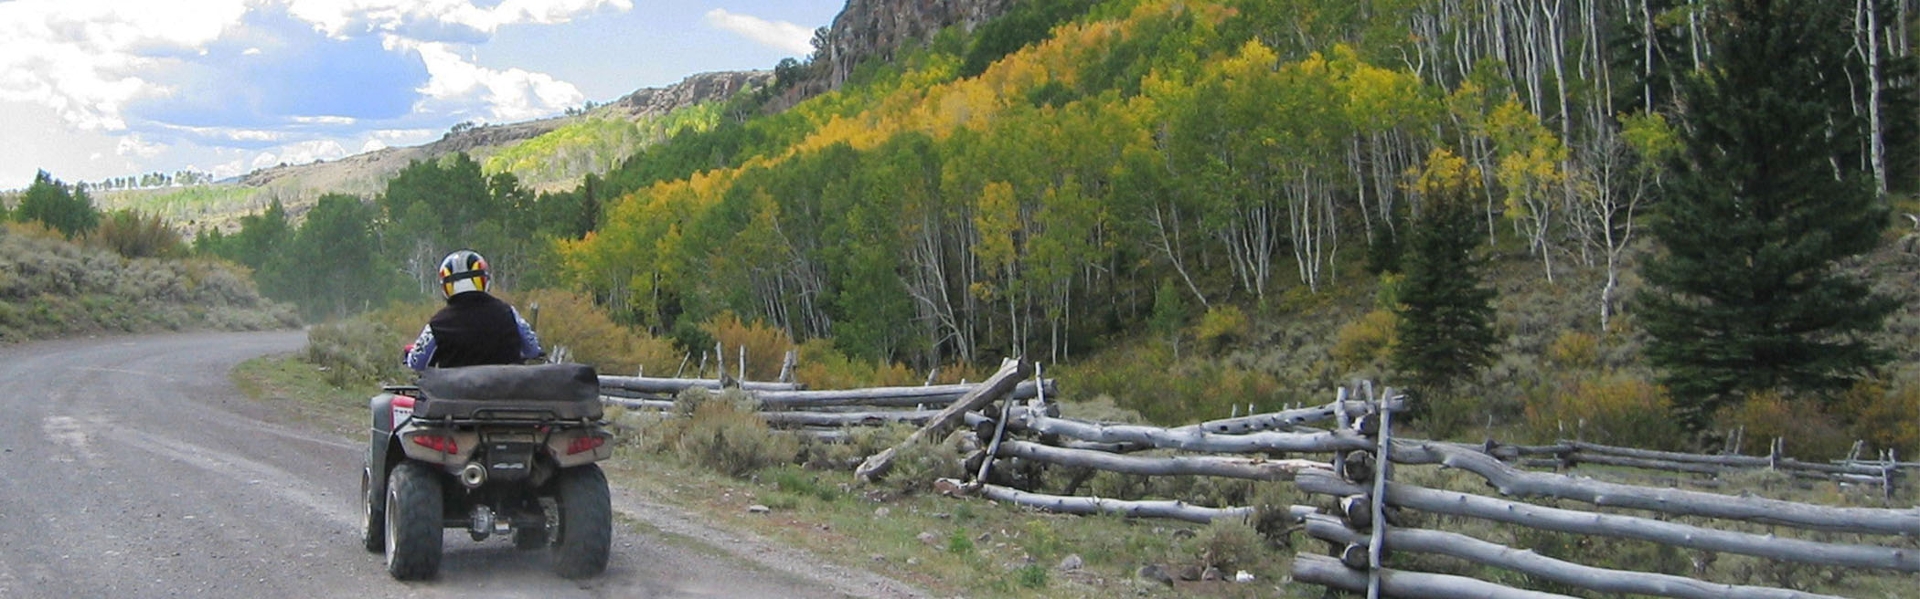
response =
{"points": [[131, 467]]}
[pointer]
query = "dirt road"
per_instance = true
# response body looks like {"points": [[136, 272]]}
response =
{"points": [[131, 467]]}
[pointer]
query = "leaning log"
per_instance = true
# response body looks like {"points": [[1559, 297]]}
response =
{"points": [[1620, 526], [995, 387], [1413, 540], [1229, 467], [1512, 482], [1174, 510], [1329, 572]]}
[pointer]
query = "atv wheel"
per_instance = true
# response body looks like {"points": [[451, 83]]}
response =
{"points": [[373, 534], [414, 522], [586, 523]]}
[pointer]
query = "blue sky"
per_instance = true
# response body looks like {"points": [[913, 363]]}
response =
{"points": [[91, 89]]}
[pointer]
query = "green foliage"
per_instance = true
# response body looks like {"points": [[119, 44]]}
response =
{"points": [[1025, 23], [355, 353], [67, 209], [1445, 316], [1768, 198]]}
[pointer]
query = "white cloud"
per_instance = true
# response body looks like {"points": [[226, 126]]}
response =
{"points": [[86, 58], [372, 145], [133, 145], [779, 35], [341, 18], [457, 85]]}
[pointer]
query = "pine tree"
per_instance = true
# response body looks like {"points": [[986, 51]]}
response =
{"points": [[1446, 316], [1768, 196]]}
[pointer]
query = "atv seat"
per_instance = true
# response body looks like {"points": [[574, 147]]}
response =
{"points": [[510, 392]]}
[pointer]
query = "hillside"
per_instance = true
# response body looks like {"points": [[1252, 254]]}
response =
{"points": [[1195, 204], [642, 117]]}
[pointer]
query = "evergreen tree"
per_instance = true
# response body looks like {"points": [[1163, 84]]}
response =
{"points": [[66, 209], [1446, 316], [1767, 197]]}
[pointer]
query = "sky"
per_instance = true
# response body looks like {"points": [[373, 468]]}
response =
{"points": [[92, 89]]}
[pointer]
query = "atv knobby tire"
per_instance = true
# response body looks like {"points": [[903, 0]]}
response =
{"points": [[373, 532], [414, 522], [586, 523]]}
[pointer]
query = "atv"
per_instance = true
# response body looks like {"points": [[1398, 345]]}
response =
{"points": [[494, 450]]}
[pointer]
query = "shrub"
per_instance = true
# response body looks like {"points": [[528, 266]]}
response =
{"points": [[1884, 418], [1574, 349], [1605, 408], [823, 366], [1810, 434], [569, 320], [766, 347], [917, 465], [1221, 326], [134, 234], [730, 437], [354, 352], [1366, 344], [1227, 543]]}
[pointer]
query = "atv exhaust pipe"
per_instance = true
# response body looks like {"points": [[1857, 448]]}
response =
{"points": [[473, 475]]}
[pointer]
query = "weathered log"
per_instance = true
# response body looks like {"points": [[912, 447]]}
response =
{"points": [[1283, 419], [1582, 457], [887, 397], [1190, 439], [1737, 461], [1602, 580], [675, 385], [1329, 572], [995, 387], [1243, 468], [1677, 502], [1619, 526], [869, 418], [637, 404], [1174, 510]]}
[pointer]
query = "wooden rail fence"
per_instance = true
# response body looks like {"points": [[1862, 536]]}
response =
{"points": [[1357, 454]]}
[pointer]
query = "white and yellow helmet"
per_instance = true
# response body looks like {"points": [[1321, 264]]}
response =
{"points": [[463, 271]]}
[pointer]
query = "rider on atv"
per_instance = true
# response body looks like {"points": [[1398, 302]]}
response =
{"points": [[475, 327]]}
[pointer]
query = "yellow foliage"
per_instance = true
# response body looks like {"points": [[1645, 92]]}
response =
{"points": [[765, 345], [569, 320], [1884, 418], [1220, 326], [1810, 433], [1605, 408], [1447, 175], [1574, 349], [822, 366], [1365, 342]]}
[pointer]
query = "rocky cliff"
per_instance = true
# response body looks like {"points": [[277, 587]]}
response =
{"points": [[869, 29]]}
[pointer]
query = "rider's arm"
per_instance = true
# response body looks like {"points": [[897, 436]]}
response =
{"points": [[529, 341], [422, 349]]}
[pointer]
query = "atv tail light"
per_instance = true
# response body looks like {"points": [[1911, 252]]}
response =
{"points": [[585, 444], [438, 443]]}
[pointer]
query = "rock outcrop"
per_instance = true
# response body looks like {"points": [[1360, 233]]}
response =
{"points": [[868, 29]]}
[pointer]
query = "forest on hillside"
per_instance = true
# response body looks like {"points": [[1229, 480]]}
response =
{"points": [[1080, 174]]}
